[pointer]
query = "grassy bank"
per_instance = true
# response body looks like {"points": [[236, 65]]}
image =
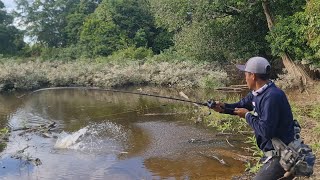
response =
{"points": [[15, 75]]}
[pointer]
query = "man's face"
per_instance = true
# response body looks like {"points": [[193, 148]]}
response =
{"points": [[250, 80]]}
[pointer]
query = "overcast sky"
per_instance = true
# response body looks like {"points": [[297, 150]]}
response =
{"points": [[10, 5]]}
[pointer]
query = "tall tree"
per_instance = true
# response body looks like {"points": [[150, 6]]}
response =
{"points": [[118, 24], [214, 30], [10, 37], [76, 19], [45, 20], [284, 18], [101, 37]]}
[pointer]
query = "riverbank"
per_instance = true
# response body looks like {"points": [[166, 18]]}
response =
{"points": [[34, 74]]}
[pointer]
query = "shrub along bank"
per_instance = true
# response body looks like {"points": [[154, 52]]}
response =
{"points": [[15, 75]]}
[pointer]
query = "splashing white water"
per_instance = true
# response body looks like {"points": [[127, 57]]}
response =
{"points": [[68, 140], [95, 138]]}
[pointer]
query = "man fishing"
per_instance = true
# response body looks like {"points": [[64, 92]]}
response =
{"points": [[267, 110]]}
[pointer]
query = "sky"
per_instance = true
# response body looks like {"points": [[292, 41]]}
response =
{"points": [[9, 4]]}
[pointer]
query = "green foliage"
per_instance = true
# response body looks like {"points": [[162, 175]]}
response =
{"points": [[3, 134], [70, 53], [253, 167], [315, 111], [256, 154], [54, 23], [10, 37], [297, 33], [101, 37], [118, 24], [214, 30], [131, 53], [4, 131], [162, 40], [315, 147], [44, 20], [211, 31], [289, 36], [210, 81], [170, 55], [5, 18], [297, 111], [74, 27], [76, 18], [313, 28], [286, 8], [170, 14], [224, 122]]}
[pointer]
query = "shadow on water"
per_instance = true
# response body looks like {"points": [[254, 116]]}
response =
{"points": [[105, 135]]}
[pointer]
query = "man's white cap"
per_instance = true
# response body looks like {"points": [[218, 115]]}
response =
{"points": [[257, 65]]}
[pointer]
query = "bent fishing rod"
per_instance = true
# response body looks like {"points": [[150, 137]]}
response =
{"points": [[210, 103]]}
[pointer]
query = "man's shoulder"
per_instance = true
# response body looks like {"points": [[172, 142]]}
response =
{"points": [[275, 92]]}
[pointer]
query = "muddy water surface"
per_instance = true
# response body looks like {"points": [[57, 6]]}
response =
{"points": [[105, 135]]}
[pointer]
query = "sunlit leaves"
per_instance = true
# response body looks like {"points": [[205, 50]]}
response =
{"points": [[298, 34]]}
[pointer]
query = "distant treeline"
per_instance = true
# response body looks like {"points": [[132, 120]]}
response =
{"points": [[203, 30]]}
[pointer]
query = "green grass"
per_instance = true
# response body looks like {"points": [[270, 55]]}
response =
{"points": [[315, 112], [253, 148], [3, 133], [225, 122]]}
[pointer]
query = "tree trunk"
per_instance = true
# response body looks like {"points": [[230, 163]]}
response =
{"points": [[292, 68]]}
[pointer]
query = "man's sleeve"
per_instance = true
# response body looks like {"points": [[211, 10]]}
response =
{"points": [[246, 102], [269, 117]]}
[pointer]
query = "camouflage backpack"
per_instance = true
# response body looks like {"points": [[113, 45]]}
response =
{"points": [[296, 157]]}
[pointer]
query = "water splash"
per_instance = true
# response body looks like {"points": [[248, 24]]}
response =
{"points": [[95, 138], [69, 140]]}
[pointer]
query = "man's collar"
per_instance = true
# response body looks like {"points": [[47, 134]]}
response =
{"points": [[262, 89]]}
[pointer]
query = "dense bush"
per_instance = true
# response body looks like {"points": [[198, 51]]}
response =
{"points": [[34, 74]]}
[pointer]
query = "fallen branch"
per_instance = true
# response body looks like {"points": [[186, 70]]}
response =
{"points": [[242, 86], [44, 127], [20, 155], [221, 161], [229, 143], [201, 141], [229, 89], [244, 158], [163, 114], [238, 132]]}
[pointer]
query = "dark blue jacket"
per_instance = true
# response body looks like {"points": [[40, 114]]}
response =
{"points": [[271, 117]]}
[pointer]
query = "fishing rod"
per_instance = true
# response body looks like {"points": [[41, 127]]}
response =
{"points": [[210, 103]]}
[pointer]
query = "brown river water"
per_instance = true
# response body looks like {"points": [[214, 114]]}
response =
{"points": [[106, 135]]}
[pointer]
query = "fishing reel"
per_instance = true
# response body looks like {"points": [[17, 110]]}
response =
{"points": [[210, 103]]}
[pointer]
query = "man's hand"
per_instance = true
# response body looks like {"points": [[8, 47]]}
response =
{"points": [[219, 107], [241, 112]]}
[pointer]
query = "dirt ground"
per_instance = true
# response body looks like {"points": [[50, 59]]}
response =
{"points": [[305, 102]]}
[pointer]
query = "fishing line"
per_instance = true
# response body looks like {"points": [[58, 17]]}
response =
{"points": [[119, 91], [130, 111], [209, 103]]}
